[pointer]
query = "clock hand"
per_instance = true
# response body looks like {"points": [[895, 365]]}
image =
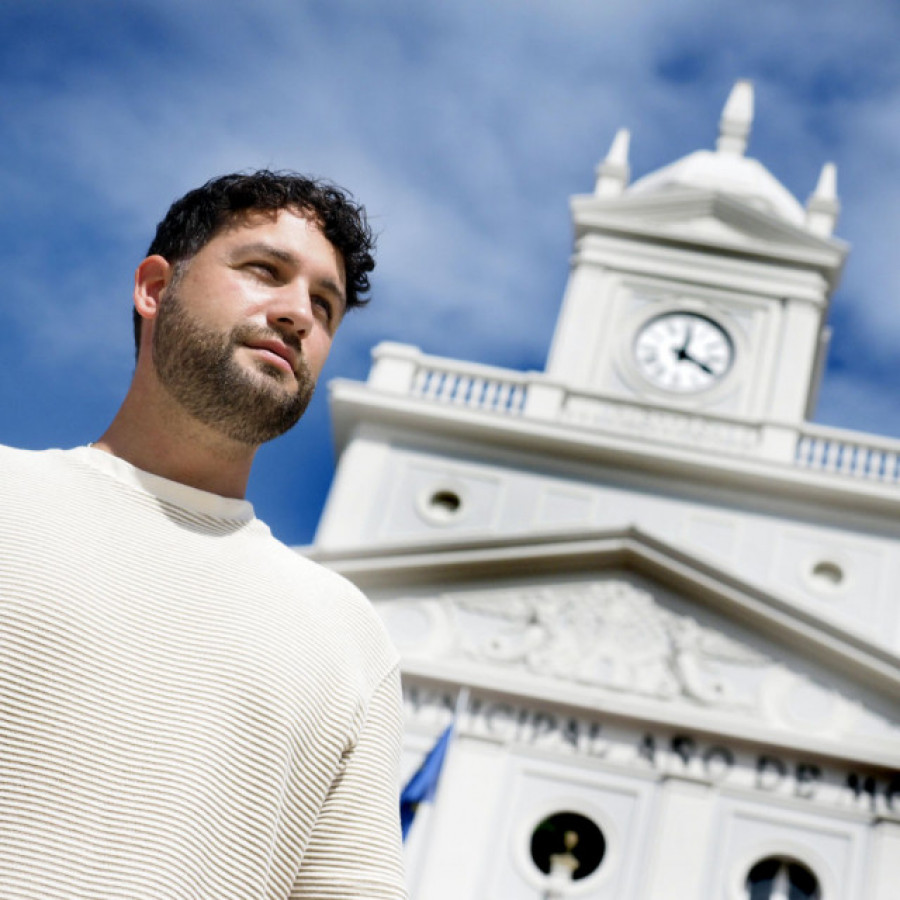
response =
{"points": [[697, 362], [682, 353]]}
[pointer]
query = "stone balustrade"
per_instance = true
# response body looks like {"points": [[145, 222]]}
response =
{"points": [[471, 390], [404, 370], [848, 453]]}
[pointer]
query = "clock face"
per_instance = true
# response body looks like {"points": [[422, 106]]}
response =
{"points": [[683, 352]]}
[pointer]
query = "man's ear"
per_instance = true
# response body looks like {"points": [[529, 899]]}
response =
{"points": [[150, 280]]}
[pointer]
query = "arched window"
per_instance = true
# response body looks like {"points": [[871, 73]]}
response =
{"points": [[778, 878]]}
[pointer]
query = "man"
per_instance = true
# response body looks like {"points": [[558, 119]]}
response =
{"points": [[188, 709]]}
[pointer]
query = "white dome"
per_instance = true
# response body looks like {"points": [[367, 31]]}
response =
{"points": [[726, 173]]}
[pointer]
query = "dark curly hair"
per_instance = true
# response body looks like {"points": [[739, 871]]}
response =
{"points": [[201, 214]]}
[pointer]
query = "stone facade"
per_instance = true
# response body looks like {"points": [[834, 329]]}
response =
{"points": [[658, 604]]}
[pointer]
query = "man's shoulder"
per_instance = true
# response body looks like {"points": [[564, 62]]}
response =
{"points": [[49, 469], [307, 572], [16, 460], [18, 454], [341, 600]]}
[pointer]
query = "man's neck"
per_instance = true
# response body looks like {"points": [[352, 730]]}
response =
{"points": [[159, 437]]}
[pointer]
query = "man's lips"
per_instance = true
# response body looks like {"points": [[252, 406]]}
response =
{"points": [[276, 353]]}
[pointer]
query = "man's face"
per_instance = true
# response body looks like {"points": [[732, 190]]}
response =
{"points": [[245, 326]]}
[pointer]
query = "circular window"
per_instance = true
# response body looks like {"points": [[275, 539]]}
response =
{"points": [[442, 504], [445, 503], [567, 846], [776, 877], [827, 574]]}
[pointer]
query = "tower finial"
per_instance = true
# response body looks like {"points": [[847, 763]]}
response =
{"points": [[823, 206], [613, 173], [737, 117]]}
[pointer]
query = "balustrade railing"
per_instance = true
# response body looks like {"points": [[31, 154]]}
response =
{"points": [[475, 391], [829, 450], [495, 390]]}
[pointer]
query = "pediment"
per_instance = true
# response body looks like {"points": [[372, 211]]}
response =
{"points": [[705, 217], [624, 624]]}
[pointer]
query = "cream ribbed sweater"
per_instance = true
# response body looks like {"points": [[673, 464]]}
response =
{"points": [[188, 709]]}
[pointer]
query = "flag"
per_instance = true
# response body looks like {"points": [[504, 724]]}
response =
{"points": [[422, 786]]}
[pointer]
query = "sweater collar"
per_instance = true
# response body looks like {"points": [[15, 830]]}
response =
{"points": [[182, 495]]}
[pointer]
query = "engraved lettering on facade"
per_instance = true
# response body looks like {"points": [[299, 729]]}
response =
{"points": [[677, 753], [806, 776], [717, 762], [647, 749], [770, 772], [684, 747], [864, 789]]}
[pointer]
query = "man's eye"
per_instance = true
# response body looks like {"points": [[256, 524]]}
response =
{"points": [[263, 269], [325, 305]]}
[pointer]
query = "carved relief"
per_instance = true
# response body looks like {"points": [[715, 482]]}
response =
{"points": [[609, 634], [614, 636]]}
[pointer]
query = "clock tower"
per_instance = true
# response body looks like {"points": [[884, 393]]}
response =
{"points": [[703, 285], [657, 604]]}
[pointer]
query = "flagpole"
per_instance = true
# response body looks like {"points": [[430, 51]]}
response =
{"points": [[462, 704]]}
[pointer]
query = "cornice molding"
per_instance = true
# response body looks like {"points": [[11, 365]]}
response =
{"points": [[745, 229], [559, 444]]}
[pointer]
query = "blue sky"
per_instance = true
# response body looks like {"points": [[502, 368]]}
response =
{"points": [[464, 127]]}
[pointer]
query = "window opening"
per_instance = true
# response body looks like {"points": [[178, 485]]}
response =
{"points": [[567, 846], [828, 573], [445, 502], [776, 878]]}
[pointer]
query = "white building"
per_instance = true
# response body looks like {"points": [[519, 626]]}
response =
{"points": [[662, 605]]}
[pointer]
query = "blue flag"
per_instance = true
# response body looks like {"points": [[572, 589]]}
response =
{"points": [[422, 786]]}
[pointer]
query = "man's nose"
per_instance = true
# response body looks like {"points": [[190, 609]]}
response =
{"points": [[291, 310]]}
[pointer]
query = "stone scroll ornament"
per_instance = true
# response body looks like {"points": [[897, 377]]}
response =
{"points": [[609, 634]]}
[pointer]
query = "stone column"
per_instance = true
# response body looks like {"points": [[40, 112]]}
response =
{"points": [[884, 865], [461, 836], [678, 863]]}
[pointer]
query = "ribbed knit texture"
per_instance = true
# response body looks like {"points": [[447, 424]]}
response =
{"points": [[188, 709]]}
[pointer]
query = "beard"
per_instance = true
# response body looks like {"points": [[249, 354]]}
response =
{"points": [[197, 366]]}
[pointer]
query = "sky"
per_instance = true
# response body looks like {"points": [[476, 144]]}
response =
{"points": [[463, 127]]}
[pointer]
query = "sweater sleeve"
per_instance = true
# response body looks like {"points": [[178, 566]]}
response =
{"points": [[355, 849]]}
